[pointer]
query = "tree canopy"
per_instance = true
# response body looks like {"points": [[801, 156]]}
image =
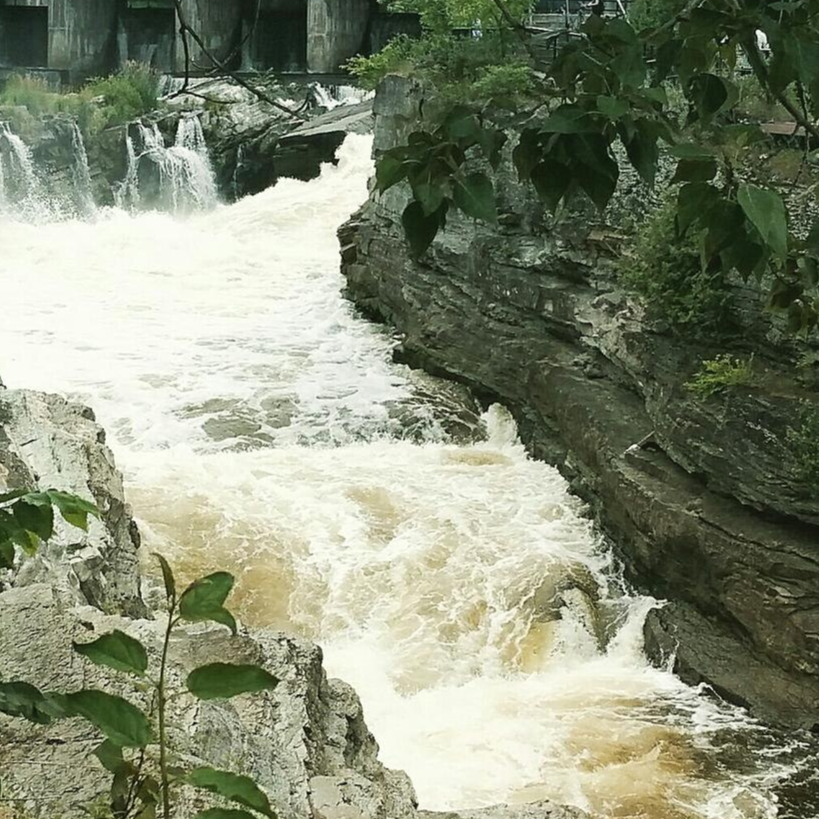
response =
{"points": [[616, 91]]}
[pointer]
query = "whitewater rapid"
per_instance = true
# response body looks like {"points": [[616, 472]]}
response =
{"points": [[457, 584]]}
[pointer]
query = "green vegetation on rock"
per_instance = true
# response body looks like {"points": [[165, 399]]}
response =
{"points": [[101, 103], [719, 374], [665, 269], [804, 445]]}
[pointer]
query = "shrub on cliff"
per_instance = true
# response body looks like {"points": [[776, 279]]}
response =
{"points": [[603, 98], [122, 97], [130, 93], [664, 268]]}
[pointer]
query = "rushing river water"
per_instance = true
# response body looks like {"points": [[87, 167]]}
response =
{"points": [[453, 581]]}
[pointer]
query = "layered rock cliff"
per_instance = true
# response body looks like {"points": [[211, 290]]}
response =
{"points": [[703, 498]]}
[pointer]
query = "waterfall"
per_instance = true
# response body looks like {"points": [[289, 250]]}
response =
{"points": [[22, 187], [81, 171], [169, 84], [177, 178], [338, 95]]}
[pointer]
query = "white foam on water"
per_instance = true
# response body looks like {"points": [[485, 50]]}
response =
{"points": [[460, 588]]}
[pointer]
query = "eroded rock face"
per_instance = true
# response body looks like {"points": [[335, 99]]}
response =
{"points": [[47, 442], [305, 743], [703, 498]]}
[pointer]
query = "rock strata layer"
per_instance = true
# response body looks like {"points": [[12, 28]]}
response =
{"points": [[703, 498]]}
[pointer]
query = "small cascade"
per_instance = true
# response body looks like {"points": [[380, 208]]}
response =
{"points": [[337, 95], [177, 178], [81, 171], [22, 188], [169, 84]]}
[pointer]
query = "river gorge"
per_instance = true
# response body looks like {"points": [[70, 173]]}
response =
{"points": [[453, 580]]}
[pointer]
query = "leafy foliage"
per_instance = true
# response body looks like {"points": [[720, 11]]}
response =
{"points": [[664, 268], [135, 792], [101, 103], [27, 519], [461, 69], [434, 165], [441, 16], [720, 374], [603, 97]]}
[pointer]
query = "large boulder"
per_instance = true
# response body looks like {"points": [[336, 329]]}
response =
{"points": [[47, 442], [305, 743]]}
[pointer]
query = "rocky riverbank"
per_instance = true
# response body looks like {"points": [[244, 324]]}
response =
{"points": [[306, 743], [705, 499]]}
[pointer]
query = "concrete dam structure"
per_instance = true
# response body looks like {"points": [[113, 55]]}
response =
{"points": [[79, 38]]}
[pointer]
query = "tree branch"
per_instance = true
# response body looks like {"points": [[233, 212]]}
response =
{"points": [[185, 30]]}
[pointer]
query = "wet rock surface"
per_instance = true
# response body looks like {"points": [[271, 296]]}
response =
{"points": [[703, 498]]}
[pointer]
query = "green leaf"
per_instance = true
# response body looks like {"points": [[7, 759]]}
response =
{"points": [[688, 150], [10, 496], [116, 650], [694, 201], [709, 94], [612, 107], [695, 170], [463, 124], [766, 212], [38, 520], [551, 181], [73, 509], [431, 195], [120, 721], [240, 789], [10, 530], [389, 171], [527, 153], [224, 813], [569, 119], [20, 699], [475, 196], [492, 142], [167, 577], [110, 755], [643, 153], [420, 228], [204, 600], [6, 553], [224, 680]]}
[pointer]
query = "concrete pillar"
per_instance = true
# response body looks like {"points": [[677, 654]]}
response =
{"points": [[219, 24], [82, 35], [335, 32]]}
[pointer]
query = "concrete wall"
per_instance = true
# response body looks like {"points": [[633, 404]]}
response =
{"points": [[336, 31], [82, 35], [219, 24]]}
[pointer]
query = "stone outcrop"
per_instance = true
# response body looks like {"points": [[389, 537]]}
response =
{"points": [[305, 743], [703, 498], [47, 442]]}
